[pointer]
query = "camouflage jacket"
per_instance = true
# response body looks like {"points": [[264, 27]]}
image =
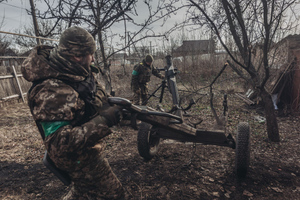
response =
{"points": [[142, 73], [53, 101]]}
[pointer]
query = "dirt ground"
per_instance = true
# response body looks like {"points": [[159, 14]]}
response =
{"points": [[179, 170]]}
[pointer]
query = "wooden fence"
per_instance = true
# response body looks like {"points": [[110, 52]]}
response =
{"points": [[13, 87]]}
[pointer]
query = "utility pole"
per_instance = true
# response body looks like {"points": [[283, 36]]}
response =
{"points": [[128, 43], [35, 24]]}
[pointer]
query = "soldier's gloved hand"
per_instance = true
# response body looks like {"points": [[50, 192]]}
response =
{"points": [[162, 76], [112, 114]]}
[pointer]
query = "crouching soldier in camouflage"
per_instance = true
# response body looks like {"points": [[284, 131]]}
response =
{"points": [[141, 75], [72, 113]]}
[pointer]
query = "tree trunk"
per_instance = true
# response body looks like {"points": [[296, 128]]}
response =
{"points": [[106, 69], [272, 125], [107, 78]]}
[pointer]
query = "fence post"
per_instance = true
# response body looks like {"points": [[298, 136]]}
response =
{"points": [[16, 76]]}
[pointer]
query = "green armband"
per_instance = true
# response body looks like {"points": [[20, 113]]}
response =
{"points": [[135, 72], [51, 127]]}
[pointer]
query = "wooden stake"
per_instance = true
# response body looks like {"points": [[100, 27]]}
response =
{"points": [[16, 76]]}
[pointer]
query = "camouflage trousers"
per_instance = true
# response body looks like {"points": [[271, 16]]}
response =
{"points": [[96, 182], [140, 96], [92, 176]]}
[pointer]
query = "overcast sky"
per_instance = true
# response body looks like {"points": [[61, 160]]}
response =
{"points": [[14, 14], [15, 17]]}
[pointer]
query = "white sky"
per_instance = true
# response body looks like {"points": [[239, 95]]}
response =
{"points": [[15, 17], [14, 14]]}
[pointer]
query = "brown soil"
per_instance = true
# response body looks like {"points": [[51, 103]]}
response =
{"points": [[178, 171]]}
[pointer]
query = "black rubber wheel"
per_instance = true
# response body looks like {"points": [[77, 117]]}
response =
{"points": [[242, 152], [147, 144]]}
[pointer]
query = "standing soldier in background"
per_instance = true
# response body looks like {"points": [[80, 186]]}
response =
{"points": [[141, 75], [72, 114]]}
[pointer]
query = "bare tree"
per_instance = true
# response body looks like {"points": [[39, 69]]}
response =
{"points": [[45, 31], [4, 43], [98, 16], [250, 23]]}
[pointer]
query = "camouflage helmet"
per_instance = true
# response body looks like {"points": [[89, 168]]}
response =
{"points": [[149, 58], [76, 41]]}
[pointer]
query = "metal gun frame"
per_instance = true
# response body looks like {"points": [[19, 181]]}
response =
{"points": [[170, 126]]}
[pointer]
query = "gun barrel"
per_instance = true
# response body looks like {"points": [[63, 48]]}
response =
{"points": [[142, 110]]}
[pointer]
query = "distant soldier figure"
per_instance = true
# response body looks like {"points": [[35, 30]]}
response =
{"points": [[72, 114], [141, 75]]}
